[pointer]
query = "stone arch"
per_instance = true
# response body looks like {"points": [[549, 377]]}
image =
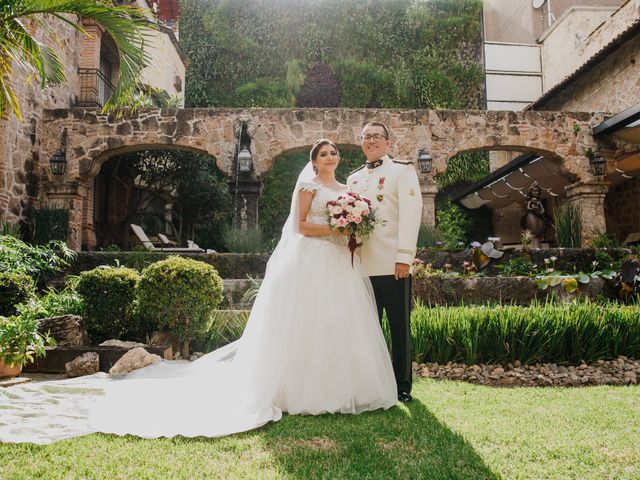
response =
{"points": [[92, 200]]}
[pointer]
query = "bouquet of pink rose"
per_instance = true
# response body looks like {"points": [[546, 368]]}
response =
{"points": [[353, 214]]}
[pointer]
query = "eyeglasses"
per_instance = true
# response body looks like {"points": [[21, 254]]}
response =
{"points": [[376, 137]]}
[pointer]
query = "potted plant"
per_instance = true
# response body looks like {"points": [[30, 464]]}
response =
{"points": [[20, 343]]}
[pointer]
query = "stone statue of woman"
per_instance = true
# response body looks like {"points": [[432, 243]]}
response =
{"points": [[535, 220]]}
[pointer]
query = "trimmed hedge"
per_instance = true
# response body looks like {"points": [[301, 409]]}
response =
{"points": [[548, 333], [228, 265], [179, 295], [108, 295], [15, 288]]}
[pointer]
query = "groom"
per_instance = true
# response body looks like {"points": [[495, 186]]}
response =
{"points": [[387, 255]]}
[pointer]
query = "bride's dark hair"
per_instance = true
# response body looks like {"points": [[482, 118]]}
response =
{"points": [[313, 154]]}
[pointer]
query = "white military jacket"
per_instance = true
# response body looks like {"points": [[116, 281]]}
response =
{"points": [[394, 190]]}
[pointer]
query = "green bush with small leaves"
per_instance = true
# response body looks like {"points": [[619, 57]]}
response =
{"points": [[178, 295], [15, 288], [108, 295]]}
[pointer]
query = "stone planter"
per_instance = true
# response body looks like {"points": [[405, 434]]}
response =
{"points": [[9, 371], [442, 290], [567, 259]]}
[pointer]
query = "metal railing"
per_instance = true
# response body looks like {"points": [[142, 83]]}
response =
{"points": [[95, 88]]}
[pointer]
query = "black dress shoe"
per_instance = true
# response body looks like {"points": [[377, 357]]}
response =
{"points": [[405, 397]]}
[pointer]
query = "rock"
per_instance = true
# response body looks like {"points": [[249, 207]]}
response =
{"points": [[177, 356], [498, 371], [517, 364], [67, 330], [133, 360], [85, 364], [121, 343]]}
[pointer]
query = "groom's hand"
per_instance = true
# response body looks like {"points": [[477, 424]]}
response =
{"points": [[402, 271]]}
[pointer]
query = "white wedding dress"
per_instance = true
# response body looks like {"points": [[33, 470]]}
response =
{"points": [[312, 345]]}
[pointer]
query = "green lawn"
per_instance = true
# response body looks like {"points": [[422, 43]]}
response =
{"points": [[450, 431]]}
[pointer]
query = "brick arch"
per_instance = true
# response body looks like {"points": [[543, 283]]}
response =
{"points": [[96, 163]]}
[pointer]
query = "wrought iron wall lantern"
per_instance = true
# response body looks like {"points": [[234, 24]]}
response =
{"points": [[425, 161], [58, 162], [597, 164], [245, 160]]}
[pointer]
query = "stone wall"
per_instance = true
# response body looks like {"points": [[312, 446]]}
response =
{"points": [[94, 138], [21, 157], [610, 86]]}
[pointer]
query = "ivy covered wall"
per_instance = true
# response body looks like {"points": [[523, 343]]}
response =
{"points": [[384, 53]]}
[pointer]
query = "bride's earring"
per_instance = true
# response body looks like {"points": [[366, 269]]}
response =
{"points": [[315, 169]]}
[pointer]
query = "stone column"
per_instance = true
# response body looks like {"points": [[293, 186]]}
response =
{"points": [[428, 189], [89, 241], [69, 195], [244, 196], [589, 196]]}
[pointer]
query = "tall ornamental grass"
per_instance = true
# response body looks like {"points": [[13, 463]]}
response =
{"points": [[567, 221], [548, 333]]}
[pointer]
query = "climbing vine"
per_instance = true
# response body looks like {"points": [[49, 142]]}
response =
{"points": [[386, 53]]}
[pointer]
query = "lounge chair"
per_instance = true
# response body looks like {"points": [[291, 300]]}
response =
{"points": [[148, 244], [165, 241]]}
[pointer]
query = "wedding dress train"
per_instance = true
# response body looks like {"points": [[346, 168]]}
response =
{"points": [[312, 345]]}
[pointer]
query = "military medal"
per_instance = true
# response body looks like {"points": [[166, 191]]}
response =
{"points": [[381, 183]]}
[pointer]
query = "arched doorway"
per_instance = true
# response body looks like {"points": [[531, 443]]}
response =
{"points": [[175, 192]]}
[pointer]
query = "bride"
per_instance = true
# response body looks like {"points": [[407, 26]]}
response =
{"points": [[312, 345]]}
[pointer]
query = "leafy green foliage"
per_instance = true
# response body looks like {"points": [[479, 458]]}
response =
{"points": [[466, 167], [454, 222], [179, 295], [53, 302], [264, 92], [320, 88], [15, 288], [537, 333], [20, 342], [39, 262], [520, 266], [47, 224], [108, 295], [391, 54]]}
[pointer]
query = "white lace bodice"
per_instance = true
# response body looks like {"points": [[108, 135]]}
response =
{"points": [[318, 211]]}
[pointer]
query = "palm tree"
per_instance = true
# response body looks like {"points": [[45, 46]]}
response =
{"points": [[126, 25]]}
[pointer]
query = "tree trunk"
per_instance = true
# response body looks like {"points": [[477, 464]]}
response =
{"points": [[184, 351]]}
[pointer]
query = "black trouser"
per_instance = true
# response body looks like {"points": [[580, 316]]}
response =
{"points": [[394, 296]]}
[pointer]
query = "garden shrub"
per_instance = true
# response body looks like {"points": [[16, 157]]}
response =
{"points": [[108, 295], [550, 333], [178, 295], [15, 288]]}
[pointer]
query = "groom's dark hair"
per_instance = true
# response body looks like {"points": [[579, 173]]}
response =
{"points": [[378, 124]]}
